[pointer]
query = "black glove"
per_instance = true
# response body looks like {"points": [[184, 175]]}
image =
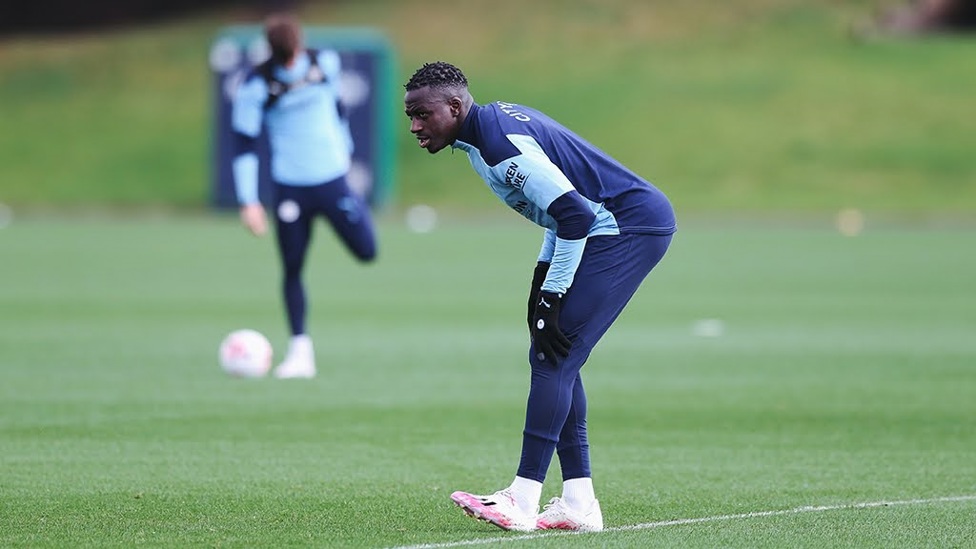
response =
{"points": [[550, 342], [538, 277]]}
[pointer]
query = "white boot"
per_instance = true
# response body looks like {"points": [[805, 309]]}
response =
{"points": [[299, 363], [558, 515], [500, 509]]}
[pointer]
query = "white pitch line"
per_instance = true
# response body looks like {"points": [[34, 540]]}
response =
{"points": [[699, 520]]}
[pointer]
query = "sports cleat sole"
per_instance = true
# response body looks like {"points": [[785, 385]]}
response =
{"points": [[562, 525]]}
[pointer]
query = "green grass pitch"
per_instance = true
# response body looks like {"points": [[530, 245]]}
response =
{"points": [[845, 374]]}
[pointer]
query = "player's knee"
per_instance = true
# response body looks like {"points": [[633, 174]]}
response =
{"points": [[366, 254], [292, 270]]}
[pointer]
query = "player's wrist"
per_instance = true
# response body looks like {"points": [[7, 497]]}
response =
{"points": [[551, 294]]}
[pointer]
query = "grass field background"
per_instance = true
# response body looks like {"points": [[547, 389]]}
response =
{"points": [[747, 105], [844, 375]]}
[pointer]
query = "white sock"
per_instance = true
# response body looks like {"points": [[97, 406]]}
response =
{"points": [[578, 493], [527, 493], [300, 343]]}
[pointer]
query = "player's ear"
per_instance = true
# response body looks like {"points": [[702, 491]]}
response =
{"points": [[455, 104]]}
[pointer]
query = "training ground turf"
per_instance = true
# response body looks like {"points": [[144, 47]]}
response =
{"points": [[832, 374]]}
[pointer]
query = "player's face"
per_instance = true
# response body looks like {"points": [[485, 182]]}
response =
{"points": [[434, 118]]}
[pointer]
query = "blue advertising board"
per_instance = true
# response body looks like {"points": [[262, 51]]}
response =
{"points": [[365, 92]]}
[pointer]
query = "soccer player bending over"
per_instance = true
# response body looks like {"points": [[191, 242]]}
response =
{"points": [[294, 96], [605, 229]]}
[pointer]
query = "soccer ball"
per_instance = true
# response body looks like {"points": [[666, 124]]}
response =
{"points": [[245, 353]]}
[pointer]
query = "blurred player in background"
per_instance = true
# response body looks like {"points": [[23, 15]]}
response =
{"points": [[295, 97], [605, 229]]}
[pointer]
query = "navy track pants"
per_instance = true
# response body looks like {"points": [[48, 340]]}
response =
{"points": [[611, 270]]}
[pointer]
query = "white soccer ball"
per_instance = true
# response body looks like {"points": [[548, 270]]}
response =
{"points": [[245, 353]]}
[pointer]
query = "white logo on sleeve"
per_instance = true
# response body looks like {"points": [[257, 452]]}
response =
{"points": [[288, 211]]}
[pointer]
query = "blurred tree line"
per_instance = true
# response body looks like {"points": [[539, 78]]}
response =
{"points": [[54, 16]]}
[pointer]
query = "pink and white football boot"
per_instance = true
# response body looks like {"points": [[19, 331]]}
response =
{"points": [[499, 509], [557, 515]]}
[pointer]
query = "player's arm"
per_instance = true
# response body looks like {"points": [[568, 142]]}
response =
{"points": [[247, 114], [331, 66], [543, 183], [548, 246], [546, 186], [573, 218], [540, 272]]}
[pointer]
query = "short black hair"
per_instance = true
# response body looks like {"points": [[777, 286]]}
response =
{"points": [[437, 75], [284, 35]]}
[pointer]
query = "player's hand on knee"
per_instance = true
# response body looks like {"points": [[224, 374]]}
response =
{"points": [[254, 218], [538, 277], [550, 342]]}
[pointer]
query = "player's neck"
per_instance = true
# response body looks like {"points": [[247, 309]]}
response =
{"points": [[290, 64]]}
